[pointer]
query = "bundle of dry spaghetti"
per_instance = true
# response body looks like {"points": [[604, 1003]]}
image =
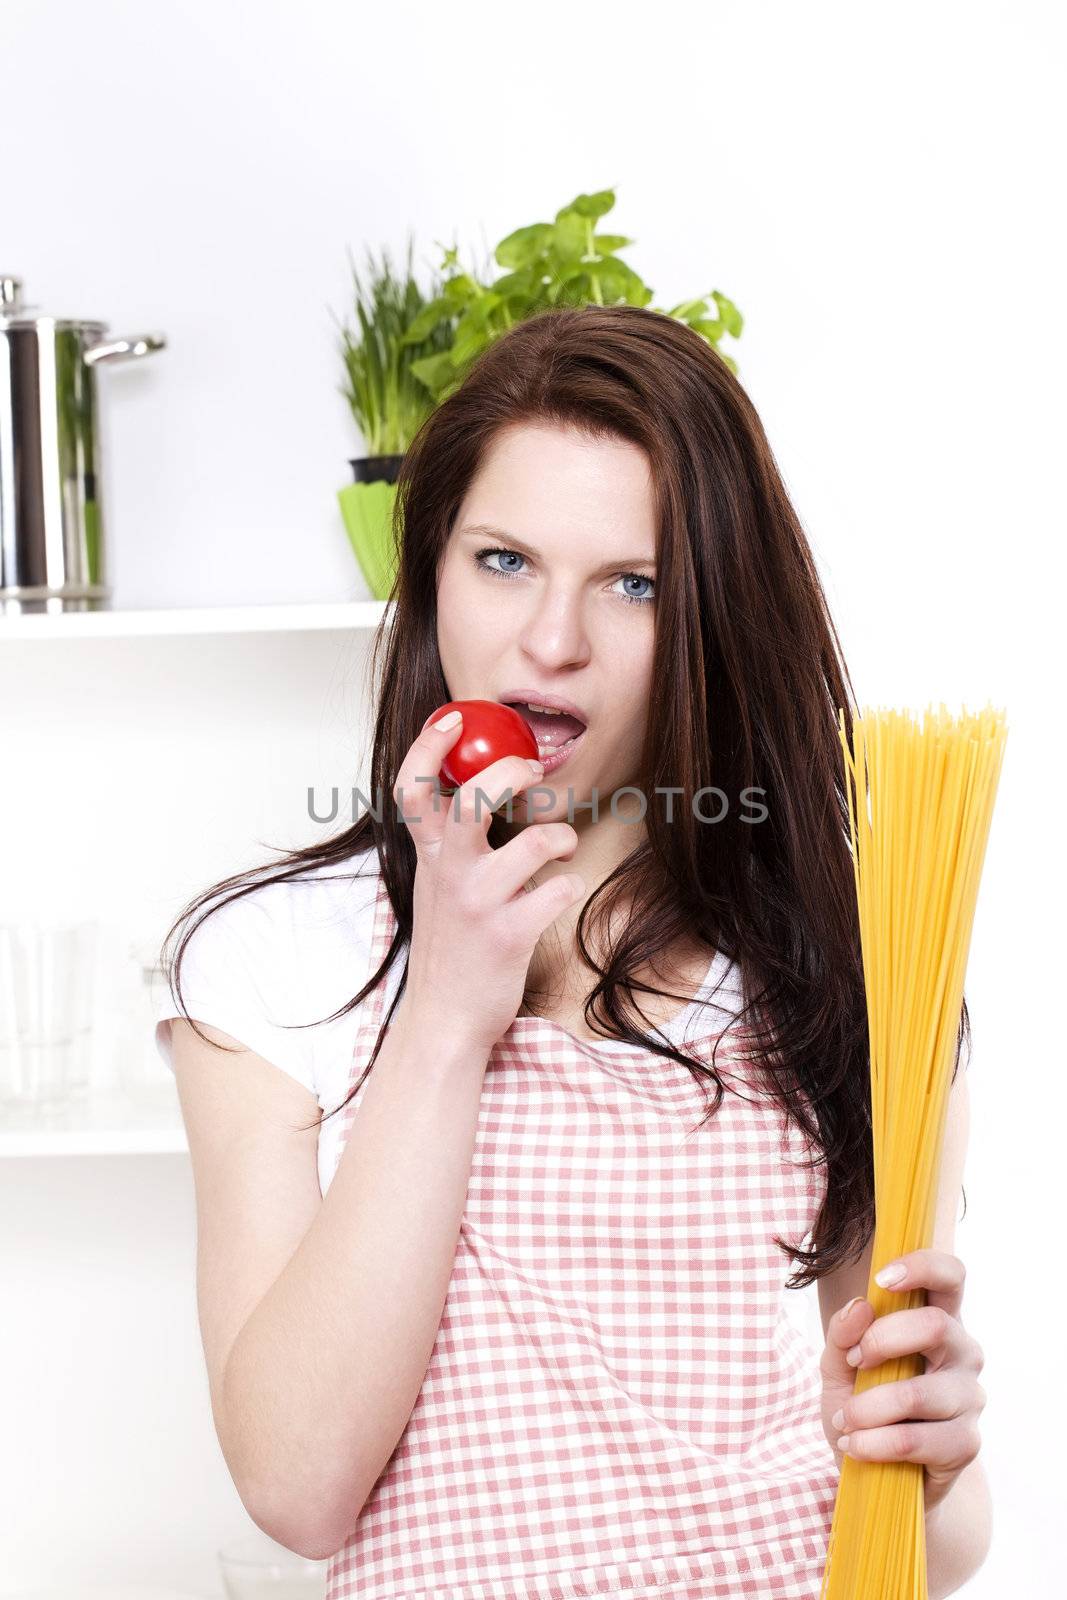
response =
{"points": [[918, 848]]}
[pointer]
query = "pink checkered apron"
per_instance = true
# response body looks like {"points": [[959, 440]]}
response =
{"points": [[616, 1402]]}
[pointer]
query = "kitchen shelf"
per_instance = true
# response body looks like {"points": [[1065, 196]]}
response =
{"points": [[340, 615], [109, 727], [106, 1122]]}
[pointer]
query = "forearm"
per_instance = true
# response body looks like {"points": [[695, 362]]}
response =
{"points": [[958, 1532], [324, 1375]]}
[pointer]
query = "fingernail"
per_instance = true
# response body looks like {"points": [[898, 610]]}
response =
{"points": [[449, 721], [847, 1307], [536, 766], [838, 1419], [891, 1274], [844, 1442], [855, 1356]]}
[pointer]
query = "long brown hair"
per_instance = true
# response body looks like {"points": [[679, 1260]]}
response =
{"points": [[748, 676]]}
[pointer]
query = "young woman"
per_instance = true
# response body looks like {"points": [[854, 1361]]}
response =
{"points": [[512, 1323]]}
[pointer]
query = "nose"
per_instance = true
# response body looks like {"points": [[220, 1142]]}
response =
{"points": [[554, 634]]}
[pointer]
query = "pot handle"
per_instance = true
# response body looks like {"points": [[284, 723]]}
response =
{"points": [[138, 344]]}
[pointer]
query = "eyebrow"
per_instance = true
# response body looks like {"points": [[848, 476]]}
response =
{"points": [[485, 530]]}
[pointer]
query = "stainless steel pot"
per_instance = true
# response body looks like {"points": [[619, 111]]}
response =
{"points": [[52, 537]]}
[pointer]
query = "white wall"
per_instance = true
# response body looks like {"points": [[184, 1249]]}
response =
{"points": [[879, 190]]}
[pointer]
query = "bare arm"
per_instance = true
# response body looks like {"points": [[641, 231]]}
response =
{"points": [[318, 1365], [323, 1376]]}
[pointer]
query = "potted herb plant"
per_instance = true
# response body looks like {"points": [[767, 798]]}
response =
{"points": [[388, 403], [411, 352], [563, 262]]}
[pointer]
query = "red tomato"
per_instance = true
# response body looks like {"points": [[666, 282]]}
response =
{"points": [[489, 732]]}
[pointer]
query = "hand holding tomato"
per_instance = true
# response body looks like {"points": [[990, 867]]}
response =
{"points": [[475, 925], [490, 731]]}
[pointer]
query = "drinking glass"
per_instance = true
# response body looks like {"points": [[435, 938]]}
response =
{"points": [[256, 1567], [48, 985]]}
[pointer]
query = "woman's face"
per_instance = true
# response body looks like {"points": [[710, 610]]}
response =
{"points": [[562, 603]]}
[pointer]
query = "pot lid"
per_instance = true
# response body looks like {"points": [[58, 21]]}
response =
{"points": [[14, 314]]}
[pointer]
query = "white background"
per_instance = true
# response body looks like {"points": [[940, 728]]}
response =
{"points": [[879, 188]]}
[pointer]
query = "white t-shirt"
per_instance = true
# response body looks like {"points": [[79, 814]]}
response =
{"points": [[294, 952]]}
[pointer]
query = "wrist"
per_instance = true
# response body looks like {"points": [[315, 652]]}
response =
{"points": [[441, 1039]]}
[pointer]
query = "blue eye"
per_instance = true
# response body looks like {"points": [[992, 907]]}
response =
{"points": [[637, 599], [515, 555], [480, 557]]}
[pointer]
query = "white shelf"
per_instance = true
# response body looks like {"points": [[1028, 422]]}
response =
{"points": [[341, 615], [118, 734], [106, 1123]]}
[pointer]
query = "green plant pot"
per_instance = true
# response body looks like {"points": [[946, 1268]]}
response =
{"points": [[367, 509]]}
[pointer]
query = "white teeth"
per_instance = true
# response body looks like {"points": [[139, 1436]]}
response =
{"points": [[549, 711]]}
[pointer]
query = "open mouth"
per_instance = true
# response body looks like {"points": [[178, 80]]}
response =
{"points": [[558, 734]]}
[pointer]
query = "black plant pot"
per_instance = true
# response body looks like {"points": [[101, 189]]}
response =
{"points": [[375, 469]]}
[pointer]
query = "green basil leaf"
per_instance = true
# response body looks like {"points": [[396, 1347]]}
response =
{"points": [[570, 234], [433, 371], [686, 310], [461, 289], [426, 321], [521, 285], [620, 282], [590, 206], [518, 249], [729, 313], [471, 336]]}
